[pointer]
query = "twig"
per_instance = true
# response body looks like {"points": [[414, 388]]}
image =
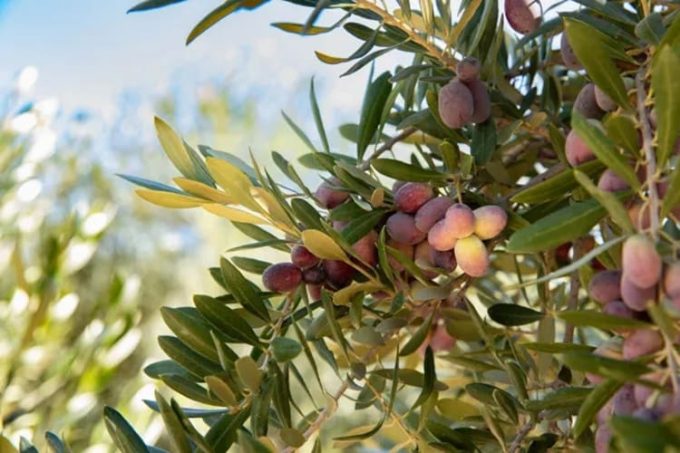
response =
{"points": [[286, 311], [520, 279], [647, 139], [512, 153], [574, 287], [521, 434], [329, 410], [397, 418], [324, 415], [672, 363], [388, 19], [524, 70], [572, 304], [388, 146]]}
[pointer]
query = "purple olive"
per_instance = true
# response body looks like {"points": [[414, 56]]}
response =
{"points": [[282, 277]]}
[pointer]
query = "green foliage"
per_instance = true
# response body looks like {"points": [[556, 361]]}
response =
{"points": [[516, 348], [72, 255], [68, 322]]}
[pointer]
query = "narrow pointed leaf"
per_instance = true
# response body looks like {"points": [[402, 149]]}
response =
{"points": [[666, 85], [187, 411], [192, 361], [430, 374], [622, 130], [123, 435], [220, 13], [593, 318], [190, 389], [55, 443], [226, 320], [567, 397], [643, 436], [192, 330], [593, 403], [151, 185], [285, 349], [243, 290], [317, 118], [299, 132], [418, 337], [484, 141], [173, 145], [223, 434], [574, 266], [604, 366], [406, 172], [651, 28], [321, 245], [299, 29], [203, 190], [173, 426], [611, 203], [604, 149], [557, 228], [152, 4], [672, 198], [558, 182], [514, 315], [371, 111], [170, 200], [596, 53], [506, 404]]}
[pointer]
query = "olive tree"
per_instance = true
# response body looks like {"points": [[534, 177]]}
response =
{"points": [[494, 267]]}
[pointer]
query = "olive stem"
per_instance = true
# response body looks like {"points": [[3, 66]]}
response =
{"points": [[388, 146], [521, 434], [647, 139], [672, 363], [412, 437], [287, 309], [574, 287], [330, 409]]}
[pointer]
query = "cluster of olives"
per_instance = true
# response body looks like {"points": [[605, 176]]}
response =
{"points": [[593, 103], [634, 400], [435, 232], [465, 99], [316, 273], [304, 266], [640, 212], [307, 268], [626, 293], [441, 233]]}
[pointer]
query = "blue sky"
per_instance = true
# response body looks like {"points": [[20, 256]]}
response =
{"points": [[88, 51]]}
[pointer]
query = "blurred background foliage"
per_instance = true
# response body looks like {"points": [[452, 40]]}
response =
{"points": [[76, 322]]}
